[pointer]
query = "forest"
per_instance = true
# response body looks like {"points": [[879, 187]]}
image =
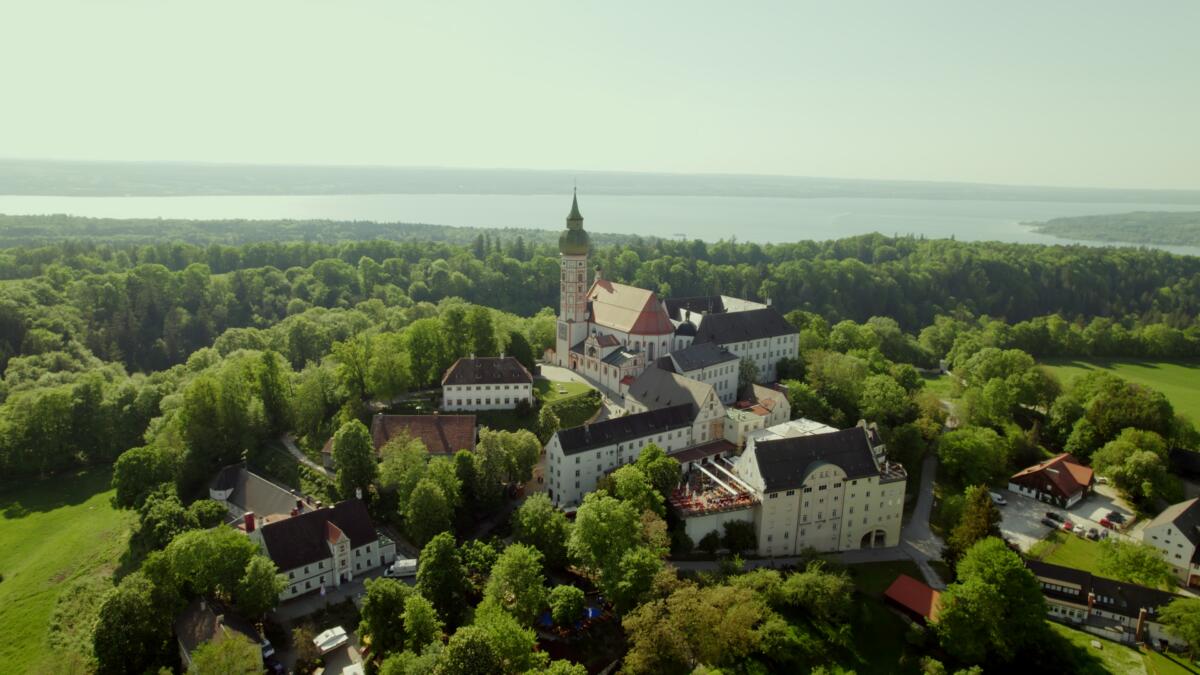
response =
{"points": [[170, 360], [1179, 228]]}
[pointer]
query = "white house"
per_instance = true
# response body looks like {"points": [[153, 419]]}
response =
{"points": [[769, 408], [801, 484], [486, 383], [708, 363], [323, 548], [577, 458], [655, 389], [1176, 533]]}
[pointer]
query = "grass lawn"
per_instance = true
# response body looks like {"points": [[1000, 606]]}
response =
{"points": [[1060, 548], [1168, 664], [942, 385], [883, 652], [60, 541], [547, 391], [1112, 657], [1175, 379]]}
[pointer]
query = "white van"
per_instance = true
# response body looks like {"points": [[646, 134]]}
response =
{"points": [[998, 499], [406, 567]]}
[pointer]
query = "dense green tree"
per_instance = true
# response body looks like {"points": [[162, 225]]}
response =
{"points": [[806, 403], [631, 581], [259, 588], [421, 623], [382, 614], [441, 577], [1181, 617], [539, 524], [566, 604], [211, 562], [138, 472], [972, 455], [1136, 563], [354, 457], [739, 536], [605, 528], [234, 655], [427, 513], [994, 610], [206, 513], [548, 424], [517, 583], [1137, 462], [132, 631], [663, 471], [469, 652], [632, 486], [980, 519], [513, 644], [883, 400]]}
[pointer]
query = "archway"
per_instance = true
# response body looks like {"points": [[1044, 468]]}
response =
{"points": [[873, 539]]}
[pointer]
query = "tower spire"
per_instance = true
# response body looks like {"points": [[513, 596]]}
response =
{"points": [[574, 219]]}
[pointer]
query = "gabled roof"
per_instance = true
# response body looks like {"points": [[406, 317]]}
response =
{"points": [[628, 309], [656, 388], [915, 596], [1074, 585], [731, 327], [703, 304], [1062, 473], [704, 355], [441, 434], [1185, 517], [626, 428], [198, 623], [251, 492], [784, 463], [487, 370], [303, 539]]}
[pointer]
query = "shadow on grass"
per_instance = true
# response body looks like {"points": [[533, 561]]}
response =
{"points": [[21, 498]]}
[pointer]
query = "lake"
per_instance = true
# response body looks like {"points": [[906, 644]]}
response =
{"points": [[760, 219]]}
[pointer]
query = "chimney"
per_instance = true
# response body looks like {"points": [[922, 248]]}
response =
{"points": [[1139, 634], [249, 520]]}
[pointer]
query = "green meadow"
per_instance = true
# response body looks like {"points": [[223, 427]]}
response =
{"points": [[60, 542], [1178, 380]]}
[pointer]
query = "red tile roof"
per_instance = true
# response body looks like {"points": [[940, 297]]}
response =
{"points": [[914, 596], [628, 309], [441, 434], [1062, 474]]}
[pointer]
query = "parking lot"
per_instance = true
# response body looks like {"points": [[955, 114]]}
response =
{"points": [[1021, 519]]}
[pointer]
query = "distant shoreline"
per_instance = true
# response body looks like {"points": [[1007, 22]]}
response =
{"points": [[160, 179]]}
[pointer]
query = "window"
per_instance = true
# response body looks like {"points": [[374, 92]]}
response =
{"points": [[791, 493]]}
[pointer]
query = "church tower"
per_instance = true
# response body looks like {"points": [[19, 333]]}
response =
{"points": [[573, 285]]}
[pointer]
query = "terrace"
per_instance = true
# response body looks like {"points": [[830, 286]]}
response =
{"points": [[891, 472], [712, 487]]}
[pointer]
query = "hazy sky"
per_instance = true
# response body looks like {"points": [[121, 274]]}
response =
{"points": [[1061, 92]]}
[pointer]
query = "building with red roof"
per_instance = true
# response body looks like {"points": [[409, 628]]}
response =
{"points": [[1061, 480], [915, 598]]}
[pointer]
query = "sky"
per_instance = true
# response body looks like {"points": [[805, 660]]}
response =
{"points": [[1098, 93]]}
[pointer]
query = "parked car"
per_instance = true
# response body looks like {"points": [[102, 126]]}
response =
{"points": [[1054, 516], [998, 499], [1050, 523], [1105, 522], [1093, 533], [1068, 525], [1116, 517], [1101, 480]]}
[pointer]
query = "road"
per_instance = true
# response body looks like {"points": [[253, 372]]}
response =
{"points": [[917, 539], [290, 444]]}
